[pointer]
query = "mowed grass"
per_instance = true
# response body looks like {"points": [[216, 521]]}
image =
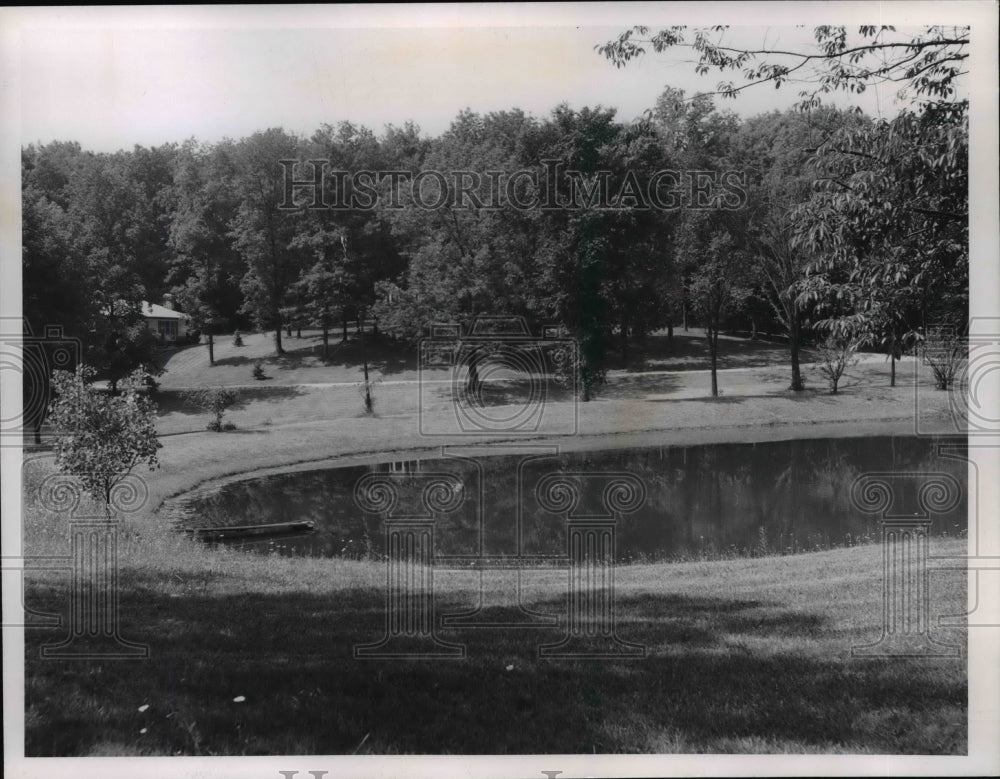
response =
{"points": [[741, 656]]}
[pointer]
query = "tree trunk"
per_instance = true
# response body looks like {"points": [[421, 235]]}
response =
{"points": [[369, 406], [670, 330], [892, 360], [713, 351], [278, 348], [288, 327], [794, 334], [368, 389], [326, 339], [684, 316], [357, 324], [298, 329], [753, 329], [624, 341], [211, 350], [343, 338]]}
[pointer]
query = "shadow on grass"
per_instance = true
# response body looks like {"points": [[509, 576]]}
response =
{"points": [[177, 402], [384, 355], [290, 656], [688, 351], [634, 387]]}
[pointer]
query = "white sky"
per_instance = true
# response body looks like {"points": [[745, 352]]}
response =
{"points": [[114, 79]]}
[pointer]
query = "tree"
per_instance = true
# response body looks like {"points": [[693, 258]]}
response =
{"points": [[836, 354], [321, 286], [925, 64], [891, 212], [890, 219], [205, 266], [774, 151], [717, 290], [215, 400], [54, 289], [103, 436], [262, 231]]}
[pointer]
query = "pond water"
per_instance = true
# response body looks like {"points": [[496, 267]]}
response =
{"points": [[700, 502]]}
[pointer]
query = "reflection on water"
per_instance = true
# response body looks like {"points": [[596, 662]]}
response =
{"points": [[701, 501]]}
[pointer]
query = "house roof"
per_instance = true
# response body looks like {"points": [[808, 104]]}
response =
{"points": [[155, 311]]}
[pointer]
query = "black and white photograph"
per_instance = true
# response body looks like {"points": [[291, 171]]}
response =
{"points": [[500, 390]]}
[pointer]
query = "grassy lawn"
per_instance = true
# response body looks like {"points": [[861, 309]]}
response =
{"points": [[303, 360], [741, 655]]}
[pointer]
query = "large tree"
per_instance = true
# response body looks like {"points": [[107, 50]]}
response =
{"points": [[263, 231]]}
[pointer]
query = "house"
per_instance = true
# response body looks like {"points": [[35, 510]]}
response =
{"points": [[164, 321]]}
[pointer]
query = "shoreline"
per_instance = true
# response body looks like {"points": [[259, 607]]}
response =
{"points": [[749, 433]]}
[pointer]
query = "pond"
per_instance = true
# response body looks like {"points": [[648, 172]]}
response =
{"points": [[697, 502]]}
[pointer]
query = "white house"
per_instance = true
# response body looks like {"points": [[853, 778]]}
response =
{"points": [[164, 321]]}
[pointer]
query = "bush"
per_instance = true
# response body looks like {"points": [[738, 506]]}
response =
{"points": [[216, 401], [104, 435], [237, 339], [836, 354], [258, 370], [944, 350]]}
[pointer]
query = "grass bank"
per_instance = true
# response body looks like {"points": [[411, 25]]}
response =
{"points": [[253, 655], [741, 655]]}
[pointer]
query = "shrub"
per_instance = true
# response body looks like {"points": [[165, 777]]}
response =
{"points": [[258, 370], [105, 435], [836, 354], [944, 350], [237, 339], [216, 401]]}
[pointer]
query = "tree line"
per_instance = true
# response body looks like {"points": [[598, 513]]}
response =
{"points": [[844, 225]]}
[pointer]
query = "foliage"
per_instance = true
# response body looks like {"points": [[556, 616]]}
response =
{"points": [[215, 400], [926, 64], [836, 355], [718, 288], [945, 350], [103, 436], [840, 218]]}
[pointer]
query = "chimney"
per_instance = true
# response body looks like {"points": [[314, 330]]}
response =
{"points": [[168, 301]]}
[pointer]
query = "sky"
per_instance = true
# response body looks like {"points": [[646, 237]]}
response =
{"points": [[112, 82]]}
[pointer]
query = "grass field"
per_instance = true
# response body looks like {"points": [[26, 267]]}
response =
{"points": [[741, 655]]}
